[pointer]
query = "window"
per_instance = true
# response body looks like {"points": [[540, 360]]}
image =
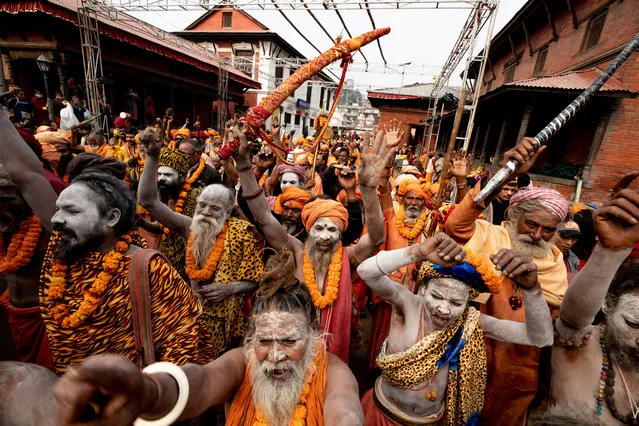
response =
{"points": [[509, 72], [309, 93], [321, 100], [287, 118], [243, 61], [297, 119], [594, 29], [540, 62], [227, 19], [328, 99]]}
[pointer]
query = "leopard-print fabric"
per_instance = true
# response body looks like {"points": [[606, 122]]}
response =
{"points": [[466, 367], [240, 261]]}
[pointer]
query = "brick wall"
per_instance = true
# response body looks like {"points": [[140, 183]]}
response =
{"points": [[406, 116], [240, 22]]}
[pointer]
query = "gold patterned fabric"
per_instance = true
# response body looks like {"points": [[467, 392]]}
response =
{"points": [[240, 261], [179, 332], [461, 347]]}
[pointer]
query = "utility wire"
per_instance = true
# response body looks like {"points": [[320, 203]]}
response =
{"points": [[339, 15], [370, 15]]}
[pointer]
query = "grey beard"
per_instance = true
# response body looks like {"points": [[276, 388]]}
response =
{"points": [[617, 349], [321, 260], [412, 213], [204, 232], [524, 244], [277, 399]]}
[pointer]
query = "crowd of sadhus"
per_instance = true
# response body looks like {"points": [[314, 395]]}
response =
{"points": [[152, 278]]}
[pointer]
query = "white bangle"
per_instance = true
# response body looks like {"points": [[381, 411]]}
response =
{"points": [[183, 394]]}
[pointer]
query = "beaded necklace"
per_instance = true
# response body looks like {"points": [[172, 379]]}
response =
{"points": [[606, 388]]}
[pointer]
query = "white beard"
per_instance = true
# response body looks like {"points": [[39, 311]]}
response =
{"points": [[525, 245], [276, 398], [321, 260], [204, 232]]}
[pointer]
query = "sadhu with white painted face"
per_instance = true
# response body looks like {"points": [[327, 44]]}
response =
{"points": [[282, 375]]}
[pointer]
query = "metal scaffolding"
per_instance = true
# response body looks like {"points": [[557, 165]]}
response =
{"points": [[92, 60], [183, 5], [483, 13]]}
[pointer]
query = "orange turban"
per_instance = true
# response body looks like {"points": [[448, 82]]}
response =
{"points": [[412, 185], [303, 157], [331, 209], [185, 133], [298, 197]]}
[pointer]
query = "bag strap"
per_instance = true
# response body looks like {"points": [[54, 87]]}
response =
{"points": [[140, 294]]}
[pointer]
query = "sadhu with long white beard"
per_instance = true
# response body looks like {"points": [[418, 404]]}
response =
{"points": [[222, 255], [282, 375], [322, 263], [434, 360]]}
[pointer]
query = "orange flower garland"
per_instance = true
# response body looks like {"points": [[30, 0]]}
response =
{"points": [[93, 296], [184, 193], [22, 245], [491, 279], [210, 266], [300, 413], [332, 282], [410, 233]]}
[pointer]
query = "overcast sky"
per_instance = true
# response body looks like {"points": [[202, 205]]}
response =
{"points": [[422, 37]]}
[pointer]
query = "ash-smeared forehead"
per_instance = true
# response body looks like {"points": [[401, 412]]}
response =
{"points": [[281, 325]]}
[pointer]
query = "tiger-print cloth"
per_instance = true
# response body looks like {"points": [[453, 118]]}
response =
{"points": [[240, 261], [179, 332], [461, 346]]}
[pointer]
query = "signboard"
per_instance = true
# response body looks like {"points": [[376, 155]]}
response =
{"points": [[301, 103]]}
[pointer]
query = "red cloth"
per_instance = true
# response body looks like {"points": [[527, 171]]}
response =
{"points": [[372, 416], [336, 319], [379, 330], [56, 183], [29, 333]]}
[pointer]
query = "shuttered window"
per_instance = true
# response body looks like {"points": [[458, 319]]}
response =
{"points": [[227, 19], [593, 32], [540, 62]]}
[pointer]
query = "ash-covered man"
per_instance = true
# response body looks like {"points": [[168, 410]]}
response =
{"points": [[222, 261], [434, 360], [595, 369], [534, 215], [322, 262], [283, 374]]}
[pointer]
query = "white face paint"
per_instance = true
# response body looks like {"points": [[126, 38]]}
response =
{"points": [[444, 301], [280, 336], [622, 328], [290, 179], [168, 176], [324, 234]]}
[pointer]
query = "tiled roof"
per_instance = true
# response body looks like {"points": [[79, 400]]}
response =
{"points": [[574, 80], [413, 91]]}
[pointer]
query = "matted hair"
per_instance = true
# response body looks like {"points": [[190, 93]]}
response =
{"points": [[111, 193], [280, 290], [625, 281]]}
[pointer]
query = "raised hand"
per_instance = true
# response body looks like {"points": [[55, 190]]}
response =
{"points": [[459, 164], [244, 152], [514, 265], [110, 387], [347, 179], [151, 140], [524, 153], [373, 161], [441, 250], [617, 222], [395, 136]]}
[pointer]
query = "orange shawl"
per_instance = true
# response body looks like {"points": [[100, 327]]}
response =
{"points": [[242, 412]]}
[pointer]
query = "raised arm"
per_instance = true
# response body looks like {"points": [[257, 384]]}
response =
{"points": [[125, 393], [148, 187], [275, 234], [461, 222], [440, 249], [617, 226], [25, 170], [537, 330], [371, 168], [459, 168]]}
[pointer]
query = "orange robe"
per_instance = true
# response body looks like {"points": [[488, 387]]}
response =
{"points": [[335, 320], [103, 151], [242, 412], [512, 369]]}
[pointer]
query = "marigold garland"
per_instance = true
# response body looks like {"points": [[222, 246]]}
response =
{"points": [[491, 279], [184, 192], [300, 412], [93, 296], [332, 279], [410, 233], [212, 260], [22, 246]]}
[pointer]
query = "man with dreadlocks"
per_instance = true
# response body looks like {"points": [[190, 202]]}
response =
{"points": [[322, 262], [434, 360], [222, 259], [84, 290], [282, 375]]}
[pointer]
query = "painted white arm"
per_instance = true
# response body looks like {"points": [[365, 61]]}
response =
{"points": [[374, 270]]}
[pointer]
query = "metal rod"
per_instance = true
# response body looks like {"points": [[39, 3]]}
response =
{"points": [[495, 183]]}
